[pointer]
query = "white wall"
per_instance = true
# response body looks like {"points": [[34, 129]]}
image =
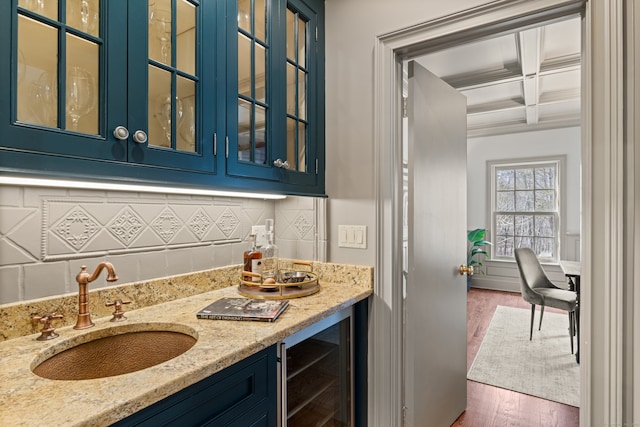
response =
{"points": [[503, 275], [543, 143], [351, 30]]}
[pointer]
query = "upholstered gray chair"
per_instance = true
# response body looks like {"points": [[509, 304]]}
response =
{"points": [[537, 289]]}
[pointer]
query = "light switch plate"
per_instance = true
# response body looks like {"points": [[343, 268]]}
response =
{"points": [[352, 236], [261, 234]]}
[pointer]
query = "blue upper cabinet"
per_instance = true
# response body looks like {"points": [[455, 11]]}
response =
{"points": [[180, 92], [275, 108], [117, 81]]}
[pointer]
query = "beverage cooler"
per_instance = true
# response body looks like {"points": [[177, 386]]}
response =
{"points": [[316, 374]]}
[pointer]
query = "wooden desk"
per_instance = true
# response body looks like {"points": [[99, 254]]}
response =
{"points": [[571, 270]]}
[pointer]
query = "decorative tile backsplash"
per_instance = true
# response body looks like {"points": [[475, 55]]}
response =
{"points": [[126, 226], [74, 227], [47, 234]]}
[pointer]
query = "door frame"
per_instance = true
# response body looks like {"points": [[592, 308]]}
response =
{"points": [[604, 199]]}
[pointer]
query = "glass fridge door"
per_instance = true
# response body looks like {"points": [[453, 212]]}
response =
{"points": [[318, 372]]}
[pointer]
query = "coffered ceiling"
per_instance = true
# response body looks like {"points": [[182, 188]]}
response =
{"points": [[528, 80]]}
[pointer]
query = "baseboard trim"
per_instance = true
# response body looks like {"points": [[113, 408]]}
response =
{"points": [[495, 285]]}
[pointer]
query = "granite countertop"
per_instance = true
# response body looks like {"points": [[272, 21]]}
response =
{"points": [[29, 400]]}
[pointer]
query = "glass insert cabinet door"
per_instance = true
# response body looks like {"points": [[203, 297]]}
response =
{"points": [[253, 110], [297, 76], [58, 64], [172, 76], [168, 67], [111, 79], [275, 60]]}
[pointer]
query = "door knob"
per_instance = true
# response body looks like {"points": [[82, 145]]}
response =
{"points": [[466, 270]]}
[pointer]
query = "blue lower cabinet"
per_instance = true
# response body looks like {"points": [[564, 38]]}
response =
{"points": [[244, 394], [360, 358]]}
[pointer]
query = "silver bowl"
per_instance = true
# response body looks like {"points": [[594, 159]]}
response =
{"points": [[293, 277]]}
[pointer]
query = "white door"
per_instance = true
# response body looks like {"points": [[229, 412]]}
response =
{"points": [[436, 298]]}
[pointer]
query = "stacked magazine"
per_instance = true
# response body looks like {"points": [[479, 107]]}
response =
{"points": [[243, 309]]}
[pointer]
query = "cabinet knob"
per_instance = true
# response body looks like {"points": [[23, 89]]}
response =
{"points": [[140, 136], [280, 164], [121, 133]]}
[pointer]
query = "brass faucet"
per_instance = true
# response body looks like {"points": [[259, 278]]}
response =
{"points": [[118, 314], [83, 279], [47, 332]]}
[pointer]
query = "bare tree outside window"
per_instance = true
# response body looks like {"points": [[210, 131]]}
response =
{"points": [[525, 208]]}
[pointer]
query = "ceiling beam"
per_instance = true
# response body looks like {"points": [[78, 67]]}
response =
{"points": [[492, 107], [504, 128], [560, 64], [529, 56], [518, 103], [483, 78], [560, 96], [507, 95], [511, 73]]}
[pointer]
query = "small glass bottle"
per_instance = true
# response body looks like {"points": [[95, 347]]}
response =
{"points": [[253, 259], [270, 259]]}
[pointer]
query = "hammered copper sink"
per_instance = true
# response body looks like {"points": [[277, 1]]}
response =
{"points": [[114, 351]]}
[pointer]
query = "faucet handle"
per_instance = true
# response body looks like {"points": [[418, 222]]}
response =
{"points": [[118, 314], [47, 332]]}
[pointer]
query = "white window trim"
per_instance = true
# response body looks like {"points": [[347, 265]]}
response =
{"points": [[561, 162]]}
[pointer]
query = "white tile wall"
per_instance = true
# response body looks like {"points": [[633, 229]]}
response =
{"points": [[300, 228], [10, 196], [10, 283], [50, 277], [47, 234]]}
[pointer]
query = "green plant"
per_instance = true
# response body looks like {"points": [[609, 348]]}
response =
{"points": [[476, 252]]}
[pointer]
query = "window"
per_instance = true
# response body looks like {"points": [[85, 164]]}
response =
{"points": [[525, 208]]}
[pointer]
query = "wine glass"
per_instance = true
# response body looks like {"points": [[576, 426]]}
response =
{"points": [[34, 5], [81, 94], [22, 66], [152, 10], [164, 115], [44, 97], [83, 14], [88, 16], [187, 129], [162, 29]]}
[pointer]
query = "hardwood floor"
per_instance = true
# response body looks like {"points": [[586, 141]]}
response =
{"points": [[489, 406]]}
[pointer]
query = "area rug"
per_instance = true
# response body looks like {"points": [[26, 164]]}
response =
{"points": [[543, 367]]}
